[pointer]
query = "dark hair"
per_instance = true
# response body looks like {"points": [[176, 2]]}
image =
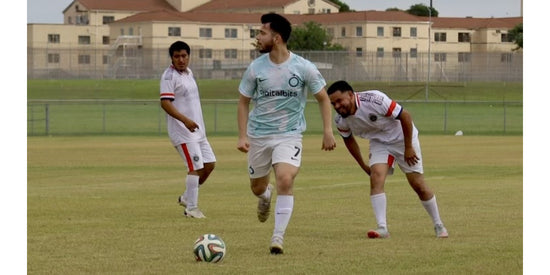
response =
{"points": [[178, 46], [279, 24], [341, 86]]}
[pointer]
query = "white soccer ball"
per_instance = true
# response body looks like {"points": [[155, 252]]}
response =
{"points": [[209, 248]]}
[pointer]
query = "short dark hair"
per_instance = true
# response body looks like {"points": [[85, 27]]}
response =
{"points": [[341, 86], [178, 46], [279, 24]]}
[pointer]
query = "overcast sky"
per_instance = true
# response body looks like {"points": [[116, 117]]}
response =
{"points": [[51, 11]]}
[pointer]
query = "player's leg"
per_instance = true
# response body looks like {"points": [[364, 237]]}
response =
{"points": [[192, 156], [259, 167], [428, 200], [287, 157], [381, 163], [209, 161]]}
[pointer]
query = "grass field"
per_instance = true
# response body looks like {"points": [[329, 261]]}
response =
{"points": [[107, 205]]}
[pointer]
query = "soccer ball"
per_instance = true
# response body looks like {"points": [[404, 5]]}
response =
{"points": [[209, 248]]}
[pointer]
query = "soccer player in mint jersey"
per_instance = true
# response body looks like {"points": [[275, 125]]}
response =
{"points": [[278, 83], [393, 138], [179, 97]]}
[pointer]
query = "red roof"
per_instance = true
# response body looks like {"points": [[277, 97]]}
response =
{"points": [[124, 5]]}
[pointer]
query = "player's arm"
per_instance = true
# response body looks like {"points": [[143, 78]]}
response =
{"points": [[242, 120], [407, 125], [170, 109], [329, 143], [355, 151]]}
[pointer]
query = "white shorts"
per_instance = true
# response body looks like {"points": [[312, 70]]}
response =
{"points": [[266, 151], [391, 153], [196, 154]]}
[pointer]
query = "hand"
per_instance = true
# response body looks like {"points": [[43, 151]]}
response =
{"points": [[191, 125], [243, 145], [410, 156], [329, 143]]}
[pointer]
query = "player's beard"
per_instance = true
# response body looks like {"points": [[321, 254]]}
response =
{"points": [[265, 48]]}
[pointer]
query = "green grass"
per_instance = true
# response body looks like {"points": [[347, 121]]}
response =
{"points": [[109, 107], [107, 205], [228, 89]]}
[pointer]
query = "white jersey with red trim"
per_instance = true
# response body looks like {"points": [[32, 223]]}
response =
{"points": [[181, 88], [375, 118]]}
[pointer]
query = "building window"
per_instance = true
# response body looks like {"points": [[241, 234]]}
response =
{"points": [[84, 39], [130, 31], [396, 52], [174, 31], [205, 32], [54, 38], [359, 31], [380, 31], [205, 53], [379, 52], [311, 11], [343, 32], [253, 54], [254, 33], [330, 32], [463, 37], [121, 31], [440, 36], [53, 58], [230, 33], [108, 19], [84, 59], [506, 58], [230, 53], [414, 52], [106, 59], [396, 31], [504, 37], [464, 57], [413, 31], [106, 40], [358, 52], [82, 20], [440, 57], [311, 2]]}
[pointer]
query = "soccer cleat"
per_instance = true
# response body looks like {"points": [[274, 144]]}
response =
{"points": [[276, 246], [182, 201], [441, 231], [264, 205], [378, 233], [194, 213]]}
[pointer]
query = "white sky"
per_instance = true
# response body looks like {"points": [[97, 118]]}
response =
{"points": [[51, 11]]}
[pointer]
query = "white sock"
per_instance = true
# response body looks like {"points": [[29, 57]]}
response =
{"points": [[283, 212], [431, 207], [378, 202], [266, 195], [192, 191]]}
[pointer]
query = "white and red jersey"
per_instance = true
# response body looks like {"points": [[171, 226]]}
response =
{"points": [[375, 118], [181, 88]]}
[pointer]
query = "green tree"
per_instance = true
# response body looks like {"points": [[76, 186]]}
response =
{"points": [[311, 37], [516, 34], [422, 10], [343, 6]]}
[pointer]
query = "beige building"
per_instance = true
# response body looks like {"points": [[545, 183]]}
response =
{"points": [[102, 37]]}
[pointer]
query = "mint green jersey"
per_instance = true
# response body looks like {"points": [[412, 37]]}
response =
{"points": [[279, 93]]}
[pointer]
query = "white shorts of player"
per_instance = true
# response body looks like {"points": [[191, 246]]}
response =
{"points": [[395, 153], [266, 151], [196, 154]]}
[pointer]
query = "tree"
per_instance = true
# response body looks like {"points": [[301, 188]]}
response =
{"points": [[343, 6], [422, 10], [516, 34], [311, 37]]}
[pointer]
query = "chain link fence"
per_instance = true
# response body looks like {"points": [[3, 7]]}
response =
{"points": [[139, 63], [145, 117]]}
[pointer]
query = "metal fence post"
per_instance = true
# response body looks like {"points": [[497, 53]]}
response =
{"points": [[47, 109]]}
